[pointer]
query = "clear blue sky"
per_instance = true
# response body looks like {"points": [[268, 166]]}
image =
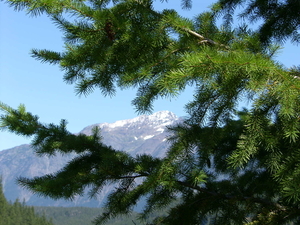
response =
{"points": [[41, 88]]}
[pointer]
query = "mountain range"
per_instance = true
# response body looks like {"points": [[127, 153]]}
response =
{"points": [[143, 134]]}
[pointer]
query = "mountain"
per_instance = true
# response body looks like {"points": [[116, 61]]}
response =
{"points": [[143, 134]]}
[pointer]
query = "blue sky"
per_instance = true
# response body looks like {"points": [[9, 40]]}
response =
{"points": [[41, 88]]}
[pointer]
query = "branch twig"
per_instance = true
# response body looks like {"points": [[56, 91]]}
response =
{"points": [[203, 39]]}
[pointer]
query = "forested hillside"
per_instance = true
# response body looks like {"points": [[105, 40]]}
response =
{"points": [[79, 215], [85, 215], [18, 213]]}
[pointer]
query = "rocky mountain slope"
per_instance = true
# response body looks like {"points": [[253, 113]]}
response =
{"points": [[143, 134]]}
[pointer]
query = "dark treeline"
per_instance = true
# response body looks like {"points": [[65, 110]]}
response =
{"points": [[18, 213], [86, 215], [80, 216]]}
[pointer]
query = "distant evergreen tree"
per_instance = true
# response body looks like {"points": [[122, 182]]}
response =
{"points": [[232, 167], [18, 213], [4, 208]]}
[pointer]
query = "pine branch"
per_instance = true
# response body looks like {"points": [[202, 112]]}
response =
{"points": [[200, 36], [235, 197], [203, 39], [133, 177]]}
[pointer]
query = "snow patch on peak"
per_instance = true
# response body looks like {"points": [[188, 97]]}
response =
{"points": [[119, 123], [148, 137], [162, 118], [163, 115], [160, 130]]}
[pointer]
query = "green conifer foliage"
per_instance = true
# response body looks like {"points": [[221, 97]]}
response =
{"points": [[280, 19], [227, 166]]}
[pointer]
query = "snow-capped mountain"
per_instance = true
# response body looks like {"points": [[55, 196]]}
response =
{"points": [[143, 134], [160, 120]]}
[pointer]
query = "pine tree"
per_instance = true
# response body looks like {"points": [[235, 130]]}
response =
{"points": [[4, 207], [225, 166]]}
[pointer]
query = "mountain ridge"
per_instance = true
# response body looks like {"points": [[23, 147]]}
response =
{"points": [[146, 134], [161, 116]]}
